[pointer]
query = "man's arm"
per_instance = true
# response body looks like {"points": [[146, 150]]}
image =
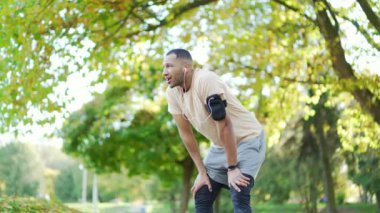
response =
{"points": [[187, 136], [228, 139], [227, 136]]}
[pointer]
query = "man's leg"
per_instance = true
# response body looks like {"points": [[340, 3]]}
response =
{"points": [[204, 198], [241, 200]]}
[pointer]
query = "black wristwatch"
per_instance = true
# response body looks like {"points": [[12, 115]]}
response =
{"points": [[232, 167]]}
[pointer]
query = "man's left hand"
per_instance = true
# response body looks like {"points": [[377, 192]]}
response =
{"points": [[236, 179]]}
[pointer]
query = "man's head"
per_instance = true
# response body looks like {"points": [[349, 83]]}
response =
{"points": [[177, 63]]}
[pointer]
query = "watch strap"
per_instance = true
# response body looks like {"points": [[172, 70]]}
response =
{"points": [[232, 167]]}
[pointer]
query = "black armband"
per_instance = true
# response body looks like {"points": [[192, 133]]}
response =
{"points": [[216, 106]]}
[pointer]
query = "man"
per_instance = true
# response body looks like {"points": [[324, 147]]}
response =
{"points": [[200, 99]]}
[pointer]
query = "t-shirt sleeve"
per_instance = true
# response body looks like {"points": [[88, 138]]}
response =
{"points": [[211, 84], [173, 106]]}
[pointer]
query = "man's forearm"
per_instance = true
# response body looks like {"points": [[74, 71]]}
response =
{"points": [[195, 155], [229, 142]]}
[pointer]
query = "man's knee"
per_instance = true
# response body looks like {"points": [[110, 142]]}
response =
{"points": [[203, 200], [203, 195], [241, 200], [243, 196]]}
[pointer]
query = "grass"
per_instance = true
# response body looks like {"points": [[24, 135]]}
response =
{"points": [[164, 208], [355, 207], [286, 208], [118, 207], [33, 205]]}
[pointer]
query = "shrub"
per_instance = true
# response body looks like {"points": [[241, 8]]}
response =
{"points": [[31, 205]]}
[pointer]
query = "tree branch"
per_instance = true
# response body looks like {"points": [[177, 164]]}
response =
{"points": [[366, 35], [176, 13], [121, 25], [141, 19], [328, 6], [292, 80], [368, 101], [371, 15], [295, 9], [38, 14]]}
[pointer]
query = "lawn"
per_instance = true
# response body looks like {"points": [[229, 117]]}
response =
{"points": [[164, 208], [118, 207]]}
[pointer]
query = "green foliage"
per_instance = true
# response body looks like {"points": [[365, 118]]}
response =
{"points": [[68, 184], [144, 142], [42, 43], [32, 205], [276, 181], [121, 37], [21, 170], [360, 147], [358, 131], [123, 187], [364, 169]]}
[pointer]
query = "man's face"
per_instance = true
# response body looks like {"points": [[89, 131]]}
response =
{"points": [[173, 71]]}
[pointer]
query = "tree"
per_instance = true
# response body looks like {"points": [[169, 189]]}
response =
{"points": [[67, 184], [276, 49], [271, 186], [62, 29], [360, 148], [324, 127], [44, 42], [144, 141], [364, 171], [21, 170], [313, 139], [329, 27]]}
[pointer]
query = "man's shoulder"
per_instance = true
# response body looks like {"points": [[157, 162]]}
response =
{"points": [[206, 75]]}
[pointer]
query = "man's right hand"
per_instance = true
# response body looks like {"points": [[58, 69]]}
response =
{"points": [[201, 180]]}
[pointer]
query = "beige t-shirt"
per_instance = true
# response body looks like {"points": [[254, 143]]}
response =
{"points": [[191, 104]]}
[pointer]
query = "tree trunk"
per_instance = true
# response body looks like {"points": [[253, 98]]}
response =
{"points": [[173, 203], [217, 204], [188, 168], [95, 195], [313, 198], [326, 165], [84, 186], [368, 101], [378, 201], [327, 179]]}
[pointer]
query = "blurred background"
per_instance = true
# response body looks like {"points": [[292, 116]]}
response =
{"points": [[84, 125]]}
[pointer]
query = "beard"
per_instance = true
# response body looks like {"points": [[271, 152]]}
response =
{"points": [[176, 83]]}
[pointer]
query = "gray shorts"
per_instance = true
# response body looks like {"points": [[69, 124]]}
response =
{"points": [[250, 156]]}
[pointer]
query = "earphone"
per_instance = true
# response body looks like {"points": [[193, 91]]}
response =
{"points": [[184, 78]]}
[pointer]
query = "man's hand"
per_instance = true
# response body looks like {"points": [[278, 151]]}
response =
{"points": [[236, 178], [200, 181]]}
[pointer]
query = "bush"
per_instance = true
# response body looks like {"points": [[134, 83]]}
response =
{"points": [[21, 170], [68, 184], [31, 205]]}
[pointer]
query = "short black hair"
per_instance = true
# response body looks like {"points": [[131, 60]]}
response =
{"points": [[181, 53]]}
